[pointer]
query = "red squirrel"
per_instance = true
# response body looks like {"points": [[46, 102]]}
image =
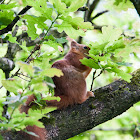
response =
{"points": [[71, 87]]}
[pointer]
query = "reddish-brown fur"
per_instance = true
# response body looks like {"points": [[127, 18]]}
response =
{"points": [[71, 87]]}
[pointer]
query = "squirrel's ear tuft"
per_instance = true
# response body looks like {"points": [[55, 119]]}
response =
{"points": [[73, 43]]}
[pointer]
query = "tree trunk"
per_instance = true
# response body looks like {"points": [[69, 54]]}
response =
{"points": [[109, 102]]}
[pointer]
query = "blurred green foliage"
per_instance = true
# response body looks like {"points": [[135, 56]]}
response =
{"points": [[115, 52]]}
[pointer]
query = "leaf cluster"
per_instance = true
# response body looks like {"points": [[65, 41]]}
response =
{"points": [[110, 53]]}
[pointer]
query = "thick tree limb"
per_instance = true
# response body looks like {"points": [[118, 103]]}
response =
{"points": [[6, 64], [136, 3], [109, 102]]}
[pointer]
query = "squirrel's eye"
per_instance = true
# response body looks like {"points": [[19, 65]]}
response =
{"points": [[85, 47]]}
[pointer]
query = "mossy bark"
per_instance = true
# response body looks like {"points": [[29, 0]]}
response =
{"points": [[109, 102]]}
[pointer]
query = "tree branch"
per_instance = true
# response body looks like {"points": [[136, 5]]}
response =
{"points": [[11, 25], [6, 64], [136, 3], [92, 7], [109, 102], [99, 14]]}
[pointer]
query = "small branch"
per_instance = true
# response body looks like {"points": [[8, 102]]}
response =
{"points": [[23, 78], [99, 73], [99, 14], [24, 75], [95, 77], [93, 80], [92, 7], [11, 25], [15, 31], [98, 27], [50, 28], [83, 9], [86, 12]]}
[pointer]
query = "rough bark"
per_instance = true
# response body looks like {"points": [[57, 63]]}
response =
{"points": [[109, 102], [136, 4]]}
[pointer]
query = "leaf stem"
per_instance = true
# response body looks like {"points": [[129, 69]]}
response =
{"points": [[50, 26]]}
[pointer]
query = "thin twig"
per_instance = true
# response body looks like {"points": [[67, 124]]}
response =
{"points": [[99, 73], [92, 7], [24, 75], [23, 78], [50, 27], [83, 9], [93, 78], [98, 14]]}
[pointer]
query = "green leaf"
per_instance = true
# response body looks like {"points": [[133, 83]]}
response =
{"points": [[41, 111], [15, 101], [77, 22], [97, 58], [8, 6], [117, 2], [109, 34], [118, 44], [25, 67], [121, 73], [40, 87], [70, 31], [6, 18], [32, 20], [36, 80], [3, 50], [41, 7], [12, 85], [90, 63], [49, 82], [61, 40], [52, 44], [75, 5], [11, 38], [124, 64], [119, 5], [51, 72], [97, 48], [49, 98], [123, 5], [59, 6], [67, 2], [31, 133]]}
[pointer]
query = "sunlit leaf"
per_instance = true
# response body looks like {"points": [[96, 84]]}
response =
{"points": [[49, 98], [12, 85], [25, 67], [51, 72]]}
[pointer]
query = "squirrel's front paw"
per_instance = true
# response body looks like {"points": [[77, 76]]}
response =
{"points": [[90, 94]]}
